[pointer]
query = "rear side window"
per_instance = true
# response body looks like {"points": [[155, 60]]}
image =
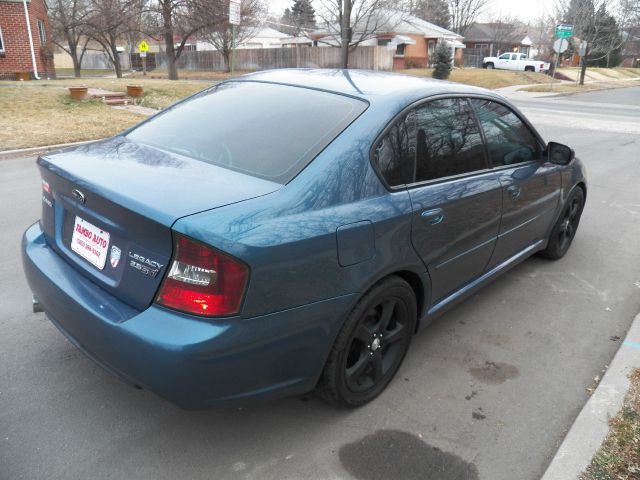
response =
{"points": [[509, 140], [396, 151], [448, 140], [266, 130]]}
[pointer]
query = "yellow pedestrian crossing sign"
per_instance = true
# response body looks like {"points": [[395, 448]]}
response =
{"points": [[144, 46]]}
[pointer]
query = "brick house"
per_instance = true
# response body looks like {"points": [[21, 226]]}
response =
{"points": [[16, 54]]}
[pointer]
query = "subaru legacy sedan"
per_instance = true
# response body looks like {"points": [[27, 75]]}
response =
{"points": [[291, 230]]}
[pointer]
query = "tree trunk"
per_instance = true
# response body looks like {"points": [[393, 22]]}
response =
{"points": [[345, 31], [226, 54], [170, 49], [116, 56], [583, 70], [76, 65]]}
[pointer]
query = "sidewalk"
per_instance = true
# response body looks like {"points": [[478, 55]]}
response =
{"points": [[592, 424]]}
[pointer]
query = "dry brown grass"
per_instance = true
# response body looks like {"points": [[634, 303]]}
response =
{"points": [[41, 113], [575, 88], [44, 115], [619, 456], [486, 78]]}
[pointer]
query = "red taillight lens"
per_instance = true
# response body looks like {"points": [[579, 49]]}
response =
{"points": [[203, 281]]}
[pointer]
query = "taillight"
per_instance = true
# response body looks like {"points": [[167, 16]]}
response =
{"points": [[203, 281], [542, 66]]}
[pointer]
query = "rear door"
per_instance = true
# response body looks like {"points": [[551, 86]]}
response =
{"points": [[456, 198], [435, 151], [530, 184]]}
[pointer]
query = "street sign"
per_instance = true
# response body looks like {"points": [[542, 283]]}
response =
{"points": [[560, 45], [564, 31], [582, 50], [143, 47], [234, 12], [143, 54]]}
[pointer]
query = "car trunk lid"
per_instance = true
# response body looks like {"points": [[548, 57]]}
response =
{"points": [[108, 209]]}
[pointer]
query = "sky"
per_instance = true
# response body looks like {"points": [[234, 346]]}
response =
{"points": [[524, 10]]}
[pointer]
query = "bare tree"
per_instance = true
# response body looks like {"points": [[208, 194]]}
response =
{"points": [[109, 23], [465, 12], [505, 31], [351, 22], [433, 11], [68, 22], [219, 33], [591, 23], [181, 19]]}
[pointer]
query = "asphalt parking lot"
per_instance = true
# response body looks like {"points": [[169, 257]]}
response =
{"points": [[486, 392]]}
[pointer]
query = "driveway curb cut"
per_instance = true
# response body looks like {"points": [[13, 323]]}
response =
{"points": [[46, 148], [592, 424]]}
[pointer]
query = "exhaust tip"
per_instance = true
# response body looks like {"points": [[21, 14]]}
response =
{"points": [[37, 306]]}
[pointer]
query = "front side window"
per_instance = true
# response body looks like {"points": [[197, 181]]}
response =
{"points": [[42, 33], [504, 56], [395, 154], [448, 140], [509, 140], [1, 41]]}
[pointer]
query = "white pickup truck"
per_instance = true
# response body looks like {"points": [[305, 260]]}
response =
{"points": [[515, 61]]}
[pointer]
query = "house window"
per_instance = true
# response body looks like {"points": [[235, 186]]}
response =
{"points": [[400, 49], [383, 42], [1, 42], [484, 46], [41, 32]]}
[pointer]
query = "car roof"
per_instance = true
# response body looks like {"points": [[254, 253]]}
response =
{"points": [[372, 86]]}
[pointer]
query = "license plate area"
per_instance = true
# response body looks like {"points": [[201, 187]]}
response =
{"points": [[90, 242]]}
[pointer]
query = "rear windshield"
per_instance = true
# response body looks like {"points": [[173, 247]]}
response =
{"points": [[266, 130]]}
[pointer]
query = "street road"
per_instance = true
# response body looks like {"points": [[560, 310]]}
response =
{"points": [[486, 392]]}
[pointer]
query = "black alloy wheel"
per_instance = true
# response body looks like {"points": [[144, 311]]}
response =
{"points": [[566, 227], [371, 345]]}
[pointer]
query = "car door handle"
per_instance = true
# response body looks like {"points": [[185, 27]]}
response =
{"points": [[514, 191], [433, 217]]}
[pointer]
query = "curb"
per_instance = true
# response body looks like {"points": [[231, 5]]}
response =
{"points": [[592, 424], [34, 150]]}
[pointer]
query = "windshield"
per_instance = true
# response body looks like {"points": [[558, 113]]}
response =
{"points": [[266, 130]]}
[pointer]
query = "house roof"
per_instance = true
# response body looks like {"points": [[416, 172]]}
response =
{"points": [[267, 32], [391, 21], [497, 32]]}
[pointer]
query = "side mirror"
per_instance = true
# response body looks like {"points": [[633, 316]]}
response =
{"points": [[559, 154]]}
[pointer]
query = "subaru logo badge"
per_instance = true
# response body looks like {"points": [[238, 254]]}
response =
{"points": [[78, 195], [114, 258]]}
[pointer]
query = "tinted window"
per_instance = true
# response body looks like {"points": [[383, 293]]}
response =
{"points": [[448, 140], [395, 154], [509, 140], [504, 56], [266, 130]]}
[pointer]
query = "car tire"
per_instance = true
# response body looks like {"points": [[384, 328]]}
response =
{"points": [[566, 226], [371, 345], [489, 66]]}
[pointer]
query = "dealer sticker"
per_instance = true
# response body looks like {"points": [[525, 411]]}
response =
{"points": [[90, 242]]}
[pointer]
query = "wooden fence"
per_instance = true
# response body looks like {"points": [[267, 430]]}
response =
{"points": [[371, 58]]}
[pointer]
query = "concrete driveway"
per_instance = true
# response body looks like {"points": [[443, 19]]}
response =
{"points": [[486, 392]]}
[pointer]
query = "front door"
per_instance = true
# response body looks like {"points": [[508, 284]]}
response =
{"points": [[530, 185]]}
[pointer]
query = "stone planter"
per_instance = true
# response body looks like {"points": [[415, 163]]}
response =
{"points": [[79, 92], [23, 76], [135, 90]]}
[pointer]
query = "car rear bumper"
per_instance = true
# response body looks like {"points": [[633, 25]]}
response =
{"points": [[190, 361]]}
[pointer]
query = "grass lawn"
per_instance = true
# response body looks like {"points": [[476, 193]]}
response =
{"points": [[619, 455], [486, 78], [41, 113]]}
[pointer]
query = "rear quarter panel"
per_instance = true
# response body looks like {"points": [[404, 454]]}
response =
{"points": [[288, 238]]}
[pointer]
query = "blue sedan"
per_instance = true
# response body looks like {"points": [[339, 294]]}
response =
{"points": [[291, 230]]}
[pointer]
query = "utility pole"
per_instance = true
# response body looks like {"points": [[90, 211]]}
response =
{"points": [[345, 31]]}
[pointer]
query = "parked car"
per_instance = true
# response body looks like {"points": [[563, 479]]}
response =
{"points": [[291, 230], [515, 61]]}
